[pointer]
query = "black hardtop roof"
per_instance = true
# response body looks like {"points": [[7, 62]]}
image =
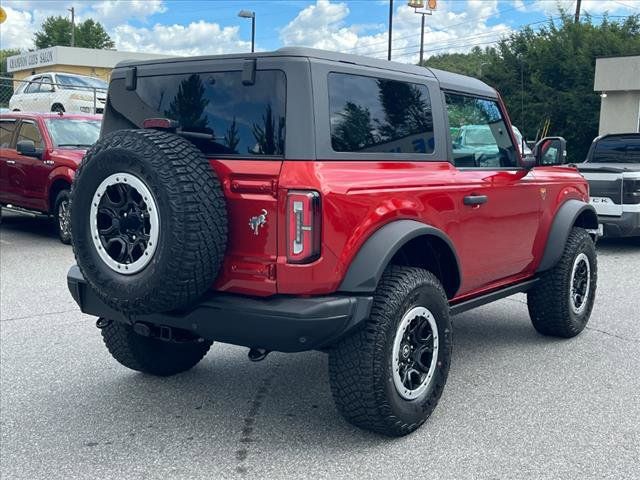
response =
{"points": [[448, 80]]}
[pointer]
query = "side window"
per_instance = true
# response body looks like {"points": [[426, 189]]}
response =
{"points": [[7, 127], [370, 114], [47, 85], [479, 136], [34, 86], [29, 131]]}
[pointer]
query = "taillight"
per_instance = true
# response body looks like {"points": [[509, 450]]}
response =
{"points": [[631, 191], [303, 232]]}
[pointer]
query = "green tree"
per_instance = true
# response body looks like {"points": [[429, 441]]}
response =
{"points": [[557, 64], [187, 107], [269, 136], [232, 137], [90, 34], [6, 84], [354, 130], [57, 31]]}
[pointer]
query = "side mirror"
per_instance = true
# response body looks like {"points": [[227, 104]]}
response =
{"points": [[551, 151], [28, 148], [528, 161]]}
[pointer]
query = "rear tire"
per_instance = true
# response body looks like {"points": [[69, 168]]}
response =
{"points": [[560, 304], [62, 217], [379, 375], [57, 108], [150, 355], [148, 221]]}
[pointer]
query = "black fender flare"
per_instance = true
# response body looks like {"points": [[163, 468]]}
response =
{"points": [[566, 218], [372, 259]]}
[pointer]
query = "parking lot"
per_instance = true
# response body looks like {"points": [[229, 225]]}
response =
{"points": [[517, 405]]}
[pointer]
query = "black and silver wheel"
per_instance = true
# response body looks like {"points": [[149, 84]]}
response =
{"points": [[560, 304], [124, 223], [388, 376], [148, 220], [415, 352], [62, 216], [150, 355]]}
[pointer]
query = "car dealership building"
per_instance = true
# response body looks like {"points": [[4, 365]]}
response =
{"points": [[82, 61], [618, 82]]}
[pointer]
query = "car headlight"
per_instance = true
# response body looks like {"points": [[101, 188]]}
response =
{"points": [[81, 96]]}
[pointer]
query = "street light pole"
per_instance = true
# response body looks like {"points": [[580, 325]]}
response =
{"points": [[390, 28], [422, 41], [73, 26], [417, 5], [252, 16]]}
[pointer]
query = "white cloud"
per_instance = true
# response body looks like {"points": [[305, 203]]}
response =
{"points": [[14, 29], [594, 7], [114, 12], [197, 38], [323, 25]]}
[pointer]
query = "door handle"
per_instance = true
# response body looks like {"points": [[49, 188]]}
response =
{"points": [[11, 162], [475, 200]]}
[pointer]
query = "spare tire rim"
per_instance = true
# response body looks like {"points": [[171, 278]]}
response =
{"points": [[580, 284], [415, 353], [124, 223]]}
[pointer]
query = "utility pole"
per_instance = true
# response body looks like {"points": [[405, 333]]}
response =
{"points": [[390, 27], [73, 26], [577, 17]]}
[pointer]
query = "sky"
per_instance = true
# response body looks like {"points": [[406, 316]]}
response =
{"points": [[200, 27]]}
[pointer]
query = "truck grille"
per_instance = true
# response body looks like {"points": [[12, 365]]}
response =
{"points": [[607, 188]]}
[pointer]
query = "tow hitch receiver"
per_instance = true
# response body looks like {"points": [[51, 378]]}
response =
{"points": [[258, 354]]}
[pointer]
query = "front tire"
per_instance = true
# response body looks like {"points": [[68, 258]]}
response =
{"points": [[560, 304], [388, 376], [61, 217], [151, 355]]}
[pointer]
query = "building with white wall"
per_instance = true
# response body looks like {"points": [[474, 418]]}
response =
{"points": [[618, 82]]}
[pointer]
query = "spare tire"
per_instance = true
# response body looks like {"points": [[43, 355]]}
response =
{"points": [[148, 221]]}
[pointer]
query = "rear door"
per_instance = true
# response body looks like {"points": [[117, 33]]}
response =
{"points": [[235, 111], [499, 201]]}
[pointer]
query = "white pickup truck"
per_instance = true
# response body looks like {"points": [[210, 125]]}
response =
{"points": [[612, 169]]}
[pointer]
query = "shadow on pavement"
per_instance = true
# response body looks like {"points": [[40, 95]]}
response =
{"points": [[41, 226]]}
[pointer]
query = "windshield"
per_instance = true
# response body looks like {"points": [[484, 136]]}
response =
{"points": [[617, 150], [73, 132], [69, 82]]}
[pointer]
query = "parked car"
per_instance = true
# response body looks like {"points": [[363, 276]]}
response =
{"points": [[477, 144], [612, 168], [308, 200], [60, 92], [523, 145], [39, 154]]}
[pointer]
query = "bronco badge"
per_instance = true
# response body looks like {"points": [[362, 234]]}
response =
{"points": [[255, 223]]}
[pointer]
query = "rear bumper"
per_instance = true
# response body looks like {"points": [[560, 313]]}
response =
{"points": [[281, 323], [627, 225]]}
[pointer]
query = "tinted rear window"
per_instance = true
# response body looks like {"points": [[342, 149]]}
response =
{"points": [[235, 119], [617, 150], [370, 114]]}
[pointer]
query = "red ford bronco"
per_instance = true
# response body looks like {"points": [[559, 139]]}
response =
{"points": [[39, 153], [307, 200]]}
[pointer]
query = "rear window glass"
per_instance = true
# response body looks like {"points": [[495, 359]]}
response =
{"points": [[617, 150], [7, 128], [370, 114], [233, 118]]}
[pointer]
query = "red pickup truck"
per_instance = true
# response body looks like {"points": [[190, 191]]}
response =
{"points": [[39, 154]]}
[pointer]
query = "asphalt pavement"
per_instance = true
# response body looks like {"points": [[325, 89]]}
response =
{"points": [[517, 405]]}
